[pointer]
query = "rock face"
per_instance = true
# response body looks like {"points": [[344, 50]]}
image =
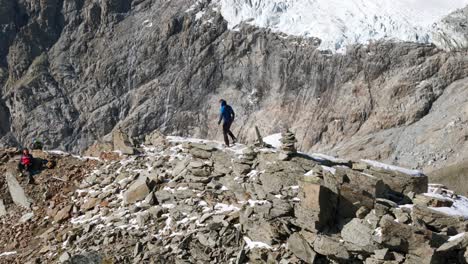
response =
{"points": [[71, 73]]}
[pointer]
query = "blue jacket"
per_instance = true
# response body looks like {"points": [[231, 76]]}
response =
{"points": [[226, 113]]}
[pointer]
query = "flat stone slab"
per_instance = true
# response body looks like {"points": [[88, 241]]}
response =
{"points": [[16, 191]]}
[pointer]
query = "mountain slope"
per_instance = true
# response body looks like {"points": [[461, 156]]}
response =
{"points": [[73, 73]]}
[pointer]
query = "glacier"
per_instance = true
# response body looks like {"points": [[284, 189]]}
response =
{"points": [[341, 23]]}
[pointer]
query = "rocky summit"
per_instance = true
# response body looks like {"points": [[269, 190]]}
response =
{"points": [[183, 200]]}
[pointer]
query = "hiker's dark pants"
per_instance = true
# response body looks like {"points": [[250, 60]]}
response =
{"points": [[28, 170], [227, 131]]}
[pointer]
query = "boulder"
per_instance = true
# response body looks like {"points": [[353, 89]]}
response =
{"points": [[461, 242], [382, 254], [201, 146], [418, 244], [199, 168], [301, 248], [280, 208], [317, 206], [331, 248], [122, 142], [200, 153], [89, 204], [65, 257], [241, 169], [401, 215], [358, 233], [16, 191], [179, 167], [137, 191], [155, 138], [399, 181], [355, 190], [383, 206], [431, 201], [150, 199], [259, 229], [438, 221], [63, 214]]}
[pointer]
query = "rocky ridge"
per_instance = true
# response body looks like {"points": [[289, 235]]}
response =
{"points": [[72, 72], [180, 200]]}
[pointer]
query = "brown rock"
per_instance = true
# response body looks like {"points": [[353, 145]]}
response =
{"points": [[63, 214], [89, 204], [317, 207]]}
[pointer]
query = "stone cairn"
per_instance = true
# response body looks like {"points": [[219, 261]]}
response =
{"points": [[288, 145]]}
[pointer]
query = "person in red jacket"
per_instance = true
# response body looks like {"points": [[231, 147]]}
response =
{"points": [[25, 164]]}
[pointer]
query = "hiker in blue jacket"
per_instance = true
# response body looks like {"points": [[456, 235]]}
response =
{"points": [[227, 115]]}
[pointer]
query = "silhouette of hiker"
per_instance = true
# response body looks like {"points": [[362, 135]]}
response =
{"points": [[227, 115]]}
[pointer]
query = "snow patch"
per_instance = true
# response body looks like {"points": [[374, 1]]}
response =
{"points": [[4, 254], [378, 232], [221, 208], [458, 208], [249, 244], [384, 166], [329, 169], [452, 238], [199, 15], [323, 157], [274, 140]]}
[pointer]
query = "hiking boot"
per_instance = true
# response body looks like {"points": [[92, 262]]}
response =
{"points": [[234, 140]]}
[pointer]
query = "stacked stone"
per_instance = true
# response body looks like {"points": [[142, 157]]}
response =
{"points": [[288, 141]]}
